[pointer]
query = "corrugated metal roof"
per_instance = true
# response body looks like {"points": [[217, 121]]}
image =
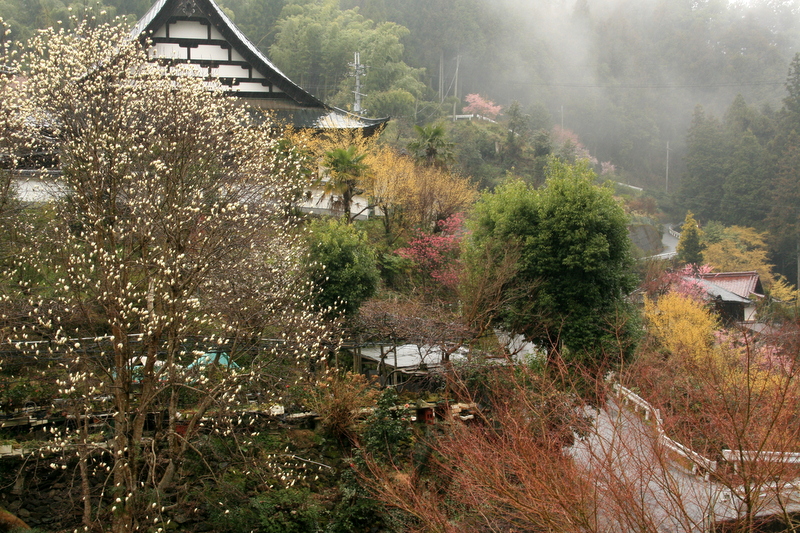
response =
{"points": [[744, 284], [720, 292], [324, 118], [410, 356]]}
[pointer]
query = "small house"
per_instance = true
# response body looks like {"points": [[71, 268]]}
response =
{"points": [[395, 365], [735, 294]]}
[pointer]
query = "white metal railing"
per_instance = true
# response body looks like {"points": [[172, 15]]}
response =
{"points": [[734, 457], [700, 465], [473, 116], [628, 396], [780, 492], [737, 457], [665, 255]]}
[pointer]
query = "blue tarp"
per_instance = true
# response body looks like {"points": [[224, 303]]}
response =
{"points": [[210, 358]]}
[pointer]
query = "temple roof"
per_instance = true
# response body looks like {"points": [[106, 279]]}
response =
{"points": [[198, 33]]}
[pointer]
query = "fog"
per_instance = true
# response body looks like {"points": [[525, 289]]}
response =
{"points": [[626, 75]]}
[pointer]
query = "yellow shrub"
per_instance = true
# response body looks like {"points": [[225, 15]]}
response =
{"points": [[699, 347], [682, 325]]}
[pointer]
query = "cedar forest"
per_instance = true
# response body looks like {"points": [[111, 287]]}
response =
{"points": [[182, 347]]}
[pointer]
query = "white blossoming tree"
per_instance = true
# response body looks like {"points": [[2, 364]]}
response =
{"points": [[168, 243]]}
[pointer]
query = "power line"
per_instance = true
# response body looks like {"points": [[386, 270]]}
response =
{"points": [[673, 86]]}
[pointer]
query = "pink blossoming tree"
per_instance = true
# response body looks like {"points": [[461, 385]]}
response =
{"points": [[478, 105], [436, 254]]}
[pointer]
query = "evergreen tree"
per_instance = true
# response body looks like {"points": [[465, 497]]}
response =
{"points": [[705, 166], [784, 214], [792, 101], [783, 218], [690, 246], [574, 251], [746, 191], [342, 265]]}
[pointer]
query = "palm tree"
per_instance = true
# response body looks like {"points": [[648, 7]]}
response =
{"points": [[431, 147], [345, 167]]}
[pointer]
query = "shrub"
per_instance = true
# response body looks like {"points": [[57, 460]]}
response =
{"points": [[342, 265], [339, 400], [288, 511]]}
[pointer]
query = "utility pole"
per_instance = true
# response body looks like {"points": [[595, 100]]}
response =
{"points": [[667, 186], [455, 87], [360, 70], [441, 76]]}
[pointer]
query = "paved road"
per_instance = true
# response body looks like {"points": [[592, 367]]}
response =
{"points": [[669, 242], [640, 487], [640, 490]]}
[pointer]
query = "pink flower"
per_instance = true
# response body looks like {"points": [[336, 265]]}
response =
{"points": [[436, 254], [481, 106]]}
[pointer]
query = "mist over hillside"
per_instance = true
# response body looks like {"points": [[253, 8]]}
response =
{"points": [[627, 75]]}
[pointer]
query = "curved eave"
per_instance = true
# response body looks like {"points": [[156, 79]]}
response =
{"points": [[311, 112], [340, 119], [162, 10]]}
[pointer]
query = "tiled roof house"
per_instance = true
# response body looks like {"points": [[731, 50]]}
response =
{"points": [[736, 293]]}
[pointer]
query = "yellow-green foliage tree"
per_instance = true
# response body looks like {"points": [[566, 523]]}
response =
{"points": [[692, 338], [736, 249], [415, 196], [388, 186], [690, 245], [681, 325], [721, 390], [693, 347], [741, 248]]}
